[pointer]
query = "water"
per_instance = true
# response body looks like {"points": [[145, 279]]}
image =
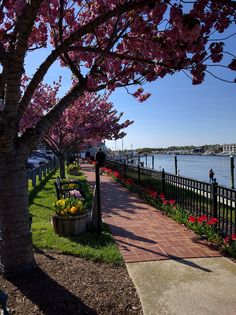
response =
{"points": [[194, 166]]}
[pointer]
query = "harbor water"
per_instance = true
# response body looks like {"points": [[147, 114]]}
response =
{"points": [[194, 166]]}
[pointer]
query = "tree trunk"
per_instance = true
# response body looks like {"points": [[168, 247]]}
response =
{"points": [[61, 160], [16, 253]]}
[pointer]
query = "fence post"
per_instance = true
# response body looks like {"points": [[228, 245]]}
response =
{"points": [[56, 162], [138, 168], [138, 173], [40, 173], [34, 173], [163, 181], [44, 170], [176, 167], [99, 215], [214, 197], [153, 162], [124, 167], [48, 167], [232, 170]]}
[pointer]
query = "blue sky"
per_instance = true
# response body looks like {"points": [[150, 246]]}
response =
{"points": [[179, 113], [176, 114]]}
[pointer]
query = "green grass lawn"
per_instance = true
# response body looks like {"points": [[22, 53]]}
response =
{"points": [[88, 245]]}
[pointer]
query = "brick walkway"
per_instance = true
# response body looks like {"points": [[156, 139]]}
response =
{"points": [[141, 232]]}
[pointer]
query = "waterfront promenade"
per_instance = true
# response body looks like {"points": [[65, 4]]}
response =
{"points": [[173, 270]]}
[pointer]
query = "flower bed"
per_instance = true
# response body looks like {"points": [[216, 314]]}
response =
{"points": [[204, 226]]}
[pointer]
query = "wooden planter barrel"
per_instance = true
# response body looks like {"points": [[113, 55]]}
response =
{"points": [[70, 226]]}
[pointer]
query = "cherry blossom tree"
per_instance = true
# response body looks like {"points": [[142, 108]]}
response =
{"points": [[105, 44], [88, 121]]}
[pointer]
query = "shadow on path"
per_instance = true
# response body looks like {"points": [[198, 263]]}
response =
{"points": [[120, 231], [158, 251], [115, 200]]}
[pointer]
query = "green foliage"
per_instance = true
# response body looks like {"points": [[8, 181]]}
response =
{"points": [[229, 244], [72, 166], [208, 231], [88, 245], [73, 169]]}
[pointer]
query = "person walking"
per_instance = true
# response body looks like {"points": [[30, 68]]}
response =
{"points": [[88, 156], [100, 158], [211, 176]]}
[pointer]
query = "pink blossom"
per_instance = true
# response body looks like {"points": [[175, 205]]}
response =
{"points": [[75, 193], [88, 121]]}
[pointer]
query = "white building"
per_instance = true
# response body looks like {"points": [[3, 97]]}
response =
{"points": [[229, 148]]}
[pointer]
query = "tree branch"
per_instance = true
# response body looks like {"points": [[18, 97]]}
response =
{"points": [[52, 144], [66, 58], [113, 54], [88, 28], [219, 78], [15, 62], [30, 138]]}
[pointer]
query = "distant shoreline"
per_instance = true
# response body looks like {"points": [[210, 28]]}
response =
{"points": [[190, 154]]}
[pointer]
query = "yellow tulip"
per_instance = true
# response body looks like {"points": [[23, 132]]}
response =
{"points": [[72, 185], [60, 202], [73, 210]]}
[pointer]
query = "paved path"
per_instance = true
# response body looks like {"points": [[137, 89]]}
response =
{"points": [[141, 232], [168, 264], [199, 286]]}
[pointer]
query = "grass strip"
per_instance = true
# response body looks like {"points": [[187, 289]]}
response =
{"points": [[88, 245]]}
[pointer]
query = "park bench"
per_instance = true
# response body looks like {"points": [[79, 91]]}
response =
{"points": [[65, 192]]}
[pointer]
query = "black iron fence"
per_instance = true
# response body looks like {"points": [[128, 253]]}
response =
{"points": [[193, 196]]}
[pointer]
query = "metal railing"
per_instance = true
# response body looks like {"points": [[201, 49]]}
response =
{"points": [[193, 196]]}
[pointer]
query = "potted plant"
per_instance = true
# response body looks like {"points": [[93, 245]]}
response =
{"points": [[73, 169], [69, 217]]}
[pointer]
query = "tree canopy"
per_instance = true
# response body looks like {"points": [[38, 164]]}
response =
{"points": [[106, 45]]}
